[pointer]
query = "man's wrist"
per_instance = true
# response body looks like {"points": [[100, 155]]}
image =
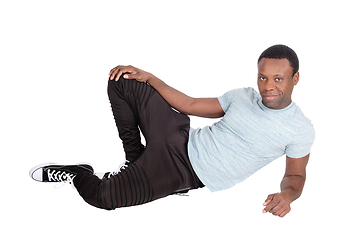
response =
{"points": [[289, 194], [153, 80], [150, 78]]}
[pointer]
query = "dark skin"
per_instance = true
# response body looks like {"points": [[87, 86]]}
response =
{"points": [[275, 82]]}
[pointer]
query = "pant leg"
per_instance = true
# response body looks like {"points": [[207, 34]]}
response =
{"points": [[128, 188], [139, 104], [158, 170], [125, 111], [162, 169], [165, 130]]}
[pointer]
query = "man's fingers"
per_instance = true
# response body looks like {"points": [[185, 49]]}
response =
{"points": [[118, 71], [112, 70], [118, 75], [131, 76], [269, 207], [278, 209], [279, 212], [268, 200], [284, 213], [267, 203], [270, 204], [277, 206]]}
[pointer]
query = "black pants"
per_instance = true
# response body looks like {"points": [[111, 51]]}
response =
{"points": [[160, 168]]}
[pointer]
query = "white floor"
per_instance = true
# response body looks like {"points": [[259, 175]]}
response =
{"points": [[55, 58]]}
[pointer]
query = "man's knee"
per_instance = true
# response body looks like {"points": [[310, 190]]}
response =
{"points": [[114, 87]]}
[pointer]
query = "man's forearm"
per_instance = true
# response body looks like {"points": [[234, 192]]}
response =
{"points": [[292, 187], [175, 98], [202, 107]]}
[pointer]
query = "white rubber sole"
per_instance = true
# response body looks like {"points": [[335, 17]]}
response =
{"points": [[36, 173]]}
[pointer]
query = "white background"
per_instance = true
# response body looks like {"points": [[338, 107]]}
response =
{"points": [[55, 60]]}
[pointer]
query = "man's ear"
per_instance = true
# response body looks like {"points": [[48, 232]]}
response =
{"points": [[296, 78]]}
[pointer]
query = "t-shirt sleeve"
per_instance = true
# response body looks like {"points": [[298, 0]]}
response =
{"points": [[226, 99], [302, 142]]}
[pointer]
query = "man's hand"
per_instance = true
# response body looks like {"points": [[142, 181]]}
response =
{"points": [[131, 73], [202, 107], [277, 204], [291, 187]]}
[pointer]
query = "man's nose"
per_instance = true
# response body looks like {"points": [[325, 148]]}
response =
{"points": [[270, 85]]}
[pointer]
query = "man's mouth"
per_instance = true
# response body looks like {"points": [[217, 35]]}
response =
{"points": [[269, 97]]}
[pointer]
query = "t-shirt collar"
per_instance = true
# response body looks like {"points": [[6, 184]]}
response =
{"points": [[264, 108]]}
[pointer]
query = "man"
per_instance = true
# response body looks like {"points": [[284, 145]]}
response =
{"points": [[255, 129]]}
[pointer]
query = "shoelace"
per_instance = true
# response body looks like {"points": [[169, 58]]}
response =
{"points": [[121, 167], [60, 176]]}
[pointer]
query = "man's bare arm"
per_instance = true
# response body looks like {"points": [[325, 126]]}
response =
{"points": [[291, 187], [202, 107]]}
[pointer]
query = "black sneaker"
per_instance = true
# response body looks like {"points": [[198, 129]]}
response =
{"points": [[58, 173]]}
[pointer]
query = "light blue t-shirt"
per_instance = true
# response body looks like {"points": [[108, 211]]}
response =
{"points": [[247, 138]]}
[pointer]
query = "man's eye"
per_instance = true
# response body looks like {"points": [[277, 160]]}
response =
{"points": [[279, 79], [262, 78]]}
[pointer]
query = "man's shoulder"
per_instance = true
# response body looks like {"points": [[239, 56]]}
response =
{"points": [[242, 93], [301, 124], [299, 116]]}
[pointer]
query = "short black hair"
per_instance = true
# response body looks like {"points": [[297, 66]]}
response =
{"points": [[280, 52]]}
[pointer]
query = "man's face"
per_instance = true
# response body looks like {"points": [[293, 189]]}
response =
{"points": [[275, 82]]}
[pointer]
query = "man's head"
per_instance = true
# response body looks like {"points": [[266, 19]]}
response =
{"points": [[277, 74]]}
